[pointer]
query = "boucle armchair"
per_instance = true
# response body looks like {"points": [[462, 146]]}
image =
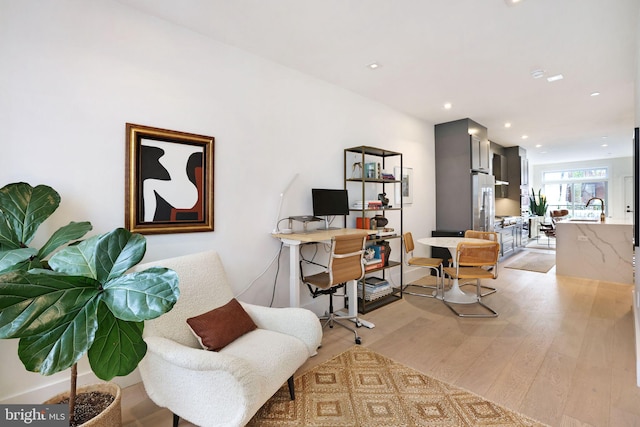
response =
{"points": [[226, 387]]}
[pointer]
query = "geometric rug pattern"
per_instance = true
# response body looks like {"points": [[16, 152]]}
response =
{"points": [[363, 388]]}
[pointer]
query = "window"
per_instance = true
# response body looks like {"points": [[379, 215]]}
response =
{"points": [[572, 189]]}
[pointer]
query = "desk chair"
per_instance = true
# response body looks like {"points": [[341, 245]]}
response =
{"points": [[433, 264], [485, 235], [345, 264], [470, 260]]}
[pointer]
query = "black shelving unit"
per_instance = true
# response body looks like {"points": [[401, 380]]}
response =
{"points": [[374, 183]]}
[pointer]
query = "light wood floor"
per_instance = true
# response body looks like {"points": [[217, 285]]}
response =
{"points": [[561, 351]]}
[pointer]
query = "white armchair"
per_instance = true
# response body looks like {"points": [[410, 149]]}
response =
{"points": [[224, 388]]}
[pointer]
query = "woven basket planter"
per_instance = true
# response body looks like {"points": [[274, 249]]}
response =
{"points": [[110, 417]]}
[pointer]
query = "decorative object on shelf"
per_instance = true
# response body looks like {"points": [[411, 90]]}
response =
{"points": [[372, 170], [386, 250], [356, 170], [169, 181], [538, 204], [384, 200], [80, 300], [381, 221], [404, 189]]}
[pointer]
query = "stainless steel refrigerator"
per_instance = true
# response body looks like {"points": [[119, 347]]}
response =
{"points": [[482, 201]]}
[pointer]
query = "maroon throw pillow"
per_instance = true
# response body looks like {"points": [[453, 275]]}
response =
{"points": [[219, 327]]}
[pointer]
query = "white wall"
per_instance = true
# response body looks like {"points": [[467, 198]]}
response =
{"points": [[74, 72], [619, 168]]}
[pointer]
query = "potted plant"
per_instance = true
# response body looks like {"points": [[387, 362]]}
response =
{"points": [[80, 300], [538, 203]]}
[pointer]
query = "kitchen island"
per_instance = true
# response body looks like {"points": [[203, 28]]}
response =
{"points": [[595, 250]]}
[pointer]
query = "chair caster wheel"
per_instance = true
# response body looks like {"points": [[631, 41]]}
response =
{"points": [[358, 324], [358, 340]]}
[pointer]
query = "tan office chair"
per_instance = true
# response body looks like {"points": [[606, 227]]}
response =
{"points": [[345, 264], [470, 260], [432, 264], [485, 235]]}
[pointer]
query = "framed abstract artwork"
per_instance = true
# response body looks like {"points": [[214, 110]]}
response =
{"points": [[404, 190], [169, 181]]}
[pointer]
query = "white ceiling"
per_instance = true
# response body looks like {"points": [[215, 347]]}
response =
{"points": [[476, 54]]}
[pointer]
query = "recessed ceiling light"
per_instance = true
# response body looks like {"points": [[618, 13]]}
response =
{"points": [[447, 105], [536, 74], [595, 93], [507, 125], [512, 2], [604, 145], [538, 145], [374, 65], [525, 136], [555, 78]]}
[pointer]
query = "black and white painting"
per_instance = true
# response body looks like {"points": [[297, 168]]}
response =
{"points": [[169, 178]]}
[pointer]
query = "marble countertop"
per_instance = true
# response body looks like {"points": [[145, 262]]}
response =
{"points": [[608, 221]]}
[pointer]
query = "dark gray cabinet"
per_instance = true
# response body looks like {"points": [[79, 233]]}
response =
{"points": [[460, 147]]}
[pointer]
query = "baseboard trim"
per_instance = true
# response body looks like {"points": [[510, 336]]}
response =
{"points": [[40, 394]]}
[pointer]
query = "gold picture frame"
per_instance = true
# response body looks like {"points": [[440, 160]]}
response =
{"points": [[169, 181]]}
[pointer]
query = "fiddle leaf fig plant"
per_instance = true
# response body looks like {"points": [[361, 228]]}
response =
{"points": [[80, 300], [86, 300], [23, 209]]}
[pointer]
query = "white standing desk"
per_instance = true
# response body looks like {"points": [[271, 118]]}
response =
{"points": [[294, 240], [455, 294]]}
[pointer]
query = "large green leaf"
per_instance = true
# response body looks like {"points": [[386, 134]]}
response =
{"points": [[142, 295], [62, 236], [27, 207], [118, 346], [60, 347], [34, 302], [12, 259], [117, 252], [77, 260], [8, 237]]}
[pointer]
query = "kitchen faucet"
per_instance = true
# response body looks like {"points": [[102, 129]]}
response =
{"points": [[602, 216]]}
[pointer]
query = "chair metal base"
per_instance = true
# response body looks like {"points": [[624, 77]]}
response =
{"points": [[492, 312], [333, 319], [491, 290], [436, 290]]}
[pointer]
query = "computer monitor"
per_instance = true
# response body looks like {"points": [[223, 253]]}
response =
{"points": [[328, 203]]}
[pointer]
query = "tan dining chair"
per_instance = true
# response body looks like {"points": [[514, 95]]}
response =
{"points": [[471, 260], [345, 264], [431, 264], [484, 235]]}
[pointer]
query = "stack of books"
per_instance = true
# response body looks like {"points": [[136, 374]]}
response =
{"points": [[369, 204], [375, 288]]}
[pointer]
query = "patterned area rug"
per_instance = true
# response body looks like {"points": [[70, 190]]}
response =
{"points": [[363, 388], [540, 263]]}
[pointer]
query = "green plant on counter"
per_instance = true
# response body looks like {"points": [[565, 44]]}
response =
{"points": [[79, 301], [538, 203]]}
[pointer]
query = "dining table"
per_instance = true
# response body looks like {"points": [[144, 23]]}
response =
{"points": [[454, 294]]}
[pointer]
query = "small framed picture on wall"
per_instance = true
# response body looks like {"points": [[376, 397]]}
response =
{"points": [[404, 190]]}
